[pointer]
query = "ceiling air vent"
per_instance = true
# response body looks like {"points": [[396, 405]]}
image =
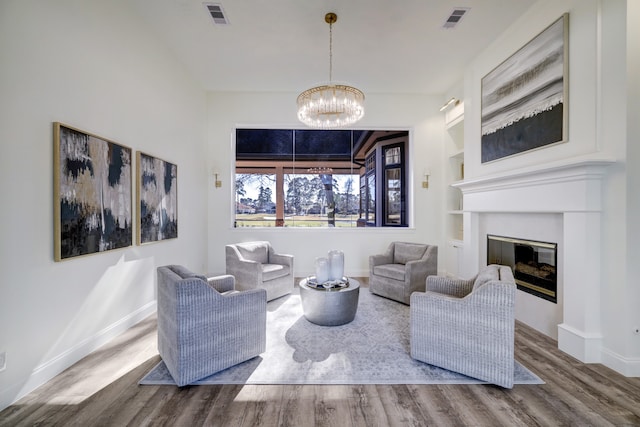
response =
{"points": [[455, 17], [217, 13]]}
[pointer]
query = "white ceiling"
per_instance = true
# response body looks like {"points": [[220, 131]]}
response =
{"points": [[379, 46]]}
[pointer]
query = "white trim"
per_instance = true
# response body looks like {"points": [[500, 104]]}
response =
{"points": [[586, 347], [629, 367], [553, 173]]}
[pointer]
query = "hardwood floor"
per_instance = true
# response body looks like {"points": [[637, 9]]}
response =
{"points": [[102, 390]]}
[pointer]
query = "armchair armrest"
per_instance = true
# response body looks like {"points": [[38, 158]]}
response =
{"points": [[454, 287], [423, 302], [282, 259], [247, 273], [420, 268], [252, 299], [496, 293], [417, 270], [223, 283], [247, 310], [380, 259], [235, 261], [486, 312], [246, 264]]}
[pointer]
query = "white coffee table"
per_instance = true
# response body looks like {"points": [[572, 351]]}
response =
{"points": [[329, 307]]}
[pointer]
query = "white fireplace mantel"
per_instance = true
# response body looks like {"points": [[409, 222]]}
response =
{"points": [[572, 188], [534, 187]]}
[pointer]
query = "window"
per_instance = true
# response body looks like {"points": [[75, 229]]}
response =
{"points": [[369, 192], [394, 206], [255, 206], [311, 178]]}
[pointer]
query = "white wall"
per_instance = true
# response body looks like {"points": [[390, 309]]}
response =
{"points": [[621, 128], [92, 65], [632, 298], [418, 113], [602, 75]]}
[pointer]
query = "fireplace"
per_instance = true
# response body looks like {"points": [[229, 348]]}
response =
{"points": [[533, 263], [568, 193]]}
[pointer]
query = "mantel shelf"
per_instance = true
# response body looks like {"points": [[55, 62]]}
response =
{"points": [[554, 172]]}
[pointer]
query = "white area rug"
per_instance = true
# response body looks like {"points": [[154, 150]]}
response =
{"points": [[373, 349]]}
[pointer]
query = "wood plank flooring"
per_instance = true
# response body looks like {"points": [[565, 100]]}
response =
{"points": [[102, 390]]}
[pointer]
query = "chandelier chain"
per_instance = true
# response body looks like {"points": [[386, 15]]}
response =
{"points": [[330, 52]]}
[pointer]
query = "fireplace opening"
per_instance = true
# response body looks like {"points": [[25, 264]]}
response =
{"points": [[533, 263]]}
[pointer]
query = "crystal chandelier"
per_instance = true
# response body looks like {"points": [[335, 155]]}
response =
{"points": [[331, 105], [321, 170]]}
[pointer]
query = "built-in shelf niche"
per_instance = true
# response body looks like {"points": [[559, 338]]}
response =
{"points": [[454, 173]]}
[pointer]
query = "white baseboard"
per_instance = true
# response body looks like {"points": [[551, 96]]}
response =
{"points": [[585, 347], [588, 348], [50, 368], [629, 367]]}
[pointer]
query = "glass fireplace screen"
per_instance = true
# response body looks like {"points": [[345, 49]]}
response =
{"points": [[533, 263]]}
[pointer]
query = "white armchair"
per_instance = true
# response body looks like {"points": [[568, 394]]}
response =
{"points": [[257, 265], [402, 270], [467, 326], [204, 325]]}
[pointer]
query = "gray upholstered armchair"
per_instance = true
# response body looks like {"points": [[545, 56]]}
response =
{"points": [[204, 325], [467, 326], [257, 265], [402, 270]]}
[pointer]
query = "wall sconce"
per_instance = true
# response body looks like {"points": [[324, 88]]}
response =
{"points": [[217, 181], [425, 180], [449, 103]]}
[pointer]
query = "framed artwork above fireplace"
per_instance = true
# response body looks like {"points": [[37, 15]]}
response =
{"points": [[524, 99]]}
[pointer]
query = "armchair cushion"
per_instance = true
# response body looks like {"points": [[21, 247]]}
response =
{"points": [[490, 272], [405, 252], [255, 251], [181, 271], [274, 271], [390, 271]]}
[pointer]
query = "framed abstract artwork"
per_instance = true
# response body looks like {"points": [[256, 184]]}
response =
{"points": [[92, 193], [524, 99], [157, 183]]}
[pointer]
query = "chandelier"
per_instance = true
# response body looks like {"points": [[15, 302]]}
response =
{"points": [[331, 105], [322, 170]]}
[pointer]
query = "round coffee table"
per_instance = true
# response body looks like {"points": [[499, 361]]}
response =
{"points": [[329, 307]]}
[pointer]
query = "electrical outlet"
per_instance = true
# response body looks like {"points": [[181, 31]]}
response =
{"points": [[3, 361]]}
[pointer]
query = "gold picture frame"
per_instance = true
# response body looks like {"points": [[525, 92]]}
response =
{"points": [[157, 199], [92, 193]]}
